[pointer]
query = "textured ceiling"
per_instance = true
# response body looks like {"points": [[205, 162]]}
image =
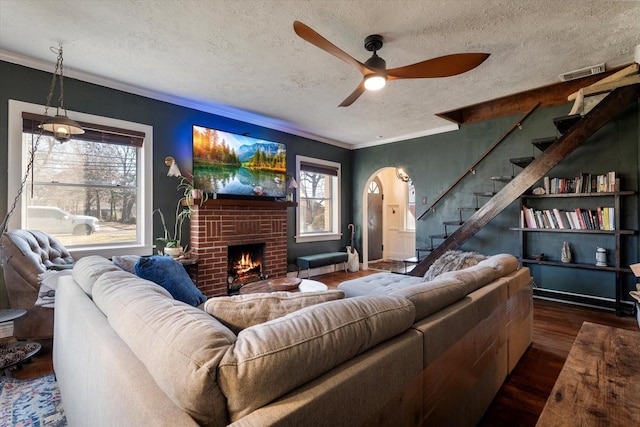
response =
{"points": [[242, 59]]}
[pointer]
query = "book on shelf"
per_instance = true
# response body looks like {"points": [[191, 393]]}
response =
{"points": [[601, 218], [583, 183], [559, 219]]}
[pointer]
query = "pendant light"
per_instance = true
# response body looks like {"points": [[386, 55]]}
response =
{"points": [[61, 126]]}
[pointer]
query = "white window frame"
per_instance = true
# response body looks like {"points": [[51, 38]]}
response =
{"points": [[335, 233], [17, 152]]}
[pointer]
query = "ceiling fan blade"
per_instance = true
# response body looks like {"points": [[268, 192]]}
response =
{"points": [[308, 34], [442, 66], [354, 95]]}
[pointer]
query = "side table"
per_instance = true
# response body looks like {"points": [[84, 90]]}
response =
{"points": [[599, 383], [9, 314], [12, 352], [191, 266]]}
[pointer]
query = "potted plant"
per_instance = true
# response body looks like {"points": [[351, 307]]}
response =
{"points": [[172, 241]]}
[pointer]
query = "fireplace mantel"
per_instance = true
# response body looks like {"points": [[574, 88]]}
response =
{"points": [[240, 202]]}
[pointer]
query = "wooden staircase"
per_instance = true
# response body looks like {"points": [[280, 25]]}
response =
{"points": [[580, 129]]}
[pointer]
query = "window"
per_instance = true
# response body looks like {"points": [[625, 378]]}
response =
{"points": [[374, 187], [93, 192], [318, 209]]}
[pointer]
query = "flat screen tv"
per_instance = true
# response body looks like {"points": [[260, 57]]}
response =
{"points": [[237, 166]]}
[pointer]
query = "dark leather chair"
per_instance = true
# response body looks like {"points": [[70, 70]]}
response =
{"points": [[25, 255]]}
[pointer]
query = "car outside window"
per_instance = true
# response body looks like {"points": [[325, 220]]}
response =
{"points": [[92, 192]]}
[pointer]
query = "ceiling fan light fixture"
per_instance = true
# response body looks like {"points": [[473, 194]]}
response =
{"points": [[375, 82]]}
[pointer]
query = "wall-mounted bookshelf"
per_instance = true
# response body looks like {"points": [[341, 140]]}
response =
{"points": [[553, 218]]}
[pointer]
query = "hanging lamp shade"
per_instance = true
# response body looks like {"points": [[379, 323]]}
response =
{"points": [[62, 127]]}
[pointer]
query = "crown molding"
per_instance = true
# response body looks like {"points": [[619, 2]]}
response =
{"points": [[408, 136], [211, 108]]}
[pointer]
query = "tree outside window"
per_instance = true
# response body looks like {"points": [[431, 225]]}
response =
{"points": [[93, 192], [318, 199]]}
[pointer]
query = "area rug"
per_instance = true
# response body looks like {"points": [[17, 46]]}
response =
{"points": [[31, 403]]}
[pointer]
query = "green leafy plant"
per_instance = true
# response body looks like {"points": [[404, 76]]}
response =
{"points": [[172, 240], [183, 212]]}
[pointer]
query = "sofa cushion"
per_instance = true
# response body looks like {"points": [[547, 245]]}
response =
{"points": [[503, 264], [171, 275], [270, 359], [242, 311], [430, 297], [181, 346], [88, 269], [452, 261], [473, 277], [485, 271], [367, 284]]}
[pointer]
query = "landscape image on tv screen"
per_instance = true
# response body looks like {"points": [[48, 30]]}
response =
{"points": [[230, 164]]}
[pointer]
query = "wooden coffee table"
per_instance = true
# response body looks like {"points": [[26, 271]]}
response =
{"points": [[599, 384], [306, 285]]}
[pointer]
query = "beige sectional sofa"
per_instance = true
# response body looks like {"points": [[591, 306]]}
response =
{"points": [[127, 353]]}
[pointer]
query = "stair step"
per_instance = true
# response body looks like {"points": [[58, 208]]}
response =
{"points": [[522, 162], [564, 123], [438, 236], [504, 178], [468, 209], [458, 223], [427, 249], [485, 193], [543, 143]]}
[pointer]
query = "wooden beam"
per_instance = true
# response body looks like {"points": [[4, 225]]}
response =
{"points": [[627, 71], [567, 143], [609, 86], [518, 103]]}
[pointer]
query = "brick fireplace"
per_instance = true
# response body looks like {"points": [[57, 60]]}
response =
{"points": [[219, 223]]}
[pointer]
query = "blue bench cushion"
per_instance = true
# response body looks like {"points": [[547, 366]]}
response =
{"points": [[319, 260]]}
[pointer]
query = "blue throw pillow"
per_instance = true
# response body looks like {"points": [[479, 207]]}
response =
{"points": [[171, 275]]}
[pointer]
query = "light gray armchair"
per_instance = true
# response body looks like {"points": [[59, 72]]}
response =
{"points": [[25, 255]]}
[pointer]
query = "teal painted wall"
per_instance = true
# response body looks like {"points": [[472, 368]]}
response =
{"points": [[434, 162], [172, 137]]}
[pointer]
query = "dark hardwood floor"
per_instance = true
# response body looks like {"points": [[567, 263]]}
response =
{"points": [[523, 395]]}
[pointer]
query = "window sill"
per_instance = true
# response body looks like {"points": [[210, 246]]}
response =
{"points": [[111, 251], [317, 237]]}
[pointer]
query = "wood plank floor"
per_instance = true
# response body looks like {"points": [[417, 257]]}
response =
{"points": [[523, 395]]}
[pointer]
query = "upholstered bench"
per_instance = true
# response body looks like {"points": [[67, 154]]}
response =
{"points": [[320, 260]]}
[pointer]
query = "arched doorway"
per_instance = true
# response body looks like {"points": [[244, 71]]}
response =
{"points": [[388, 227], [374, 219]]}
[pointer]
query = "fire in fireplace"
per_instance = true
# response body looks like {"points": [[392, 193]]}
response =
{"points": [[245, 264]]}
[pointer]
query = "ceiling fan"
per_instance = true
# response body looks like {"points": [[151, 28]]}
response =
{"points": [[374, 70]]}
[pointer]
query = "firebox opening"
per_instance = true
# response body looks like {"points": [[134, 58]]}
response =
{"points": [[244, 265]]}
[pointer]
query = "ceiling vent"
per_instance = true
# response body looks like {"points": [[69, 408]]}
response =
{"points": [[582, 72]]}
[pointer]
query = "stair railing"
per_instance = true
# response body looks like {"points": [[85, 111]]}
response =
{"points": [[471, 169]]}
